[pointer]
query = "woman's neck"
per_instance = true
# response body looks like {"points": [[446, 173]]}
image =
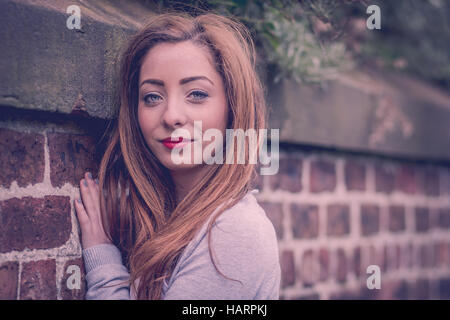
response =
{"points": [[186, 180]]}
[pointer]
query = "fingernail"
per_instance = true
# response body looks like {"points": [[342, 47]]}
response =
{"points": [[96, 181], [90, 175], [85, 183]]}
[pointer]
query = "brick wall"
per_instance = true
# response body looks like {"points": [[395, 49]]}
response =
{"points": [[42, 163], [334, 214]]}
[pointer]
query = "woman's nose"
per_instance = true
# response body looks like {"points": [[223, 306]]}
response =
{"points": [[174, 114]]}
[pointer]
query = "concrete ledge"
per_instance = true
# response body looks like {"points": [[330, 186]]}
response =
{"points": [[365, 111], [44, 65]]}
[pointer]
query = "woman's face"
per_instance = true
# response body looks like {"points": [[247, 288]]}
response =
{"points": [[177, 86]]}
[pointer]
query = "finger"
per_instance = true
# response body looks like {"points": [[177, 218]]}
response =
{"points": [[88, 197], [81, 212], [93, 188]]}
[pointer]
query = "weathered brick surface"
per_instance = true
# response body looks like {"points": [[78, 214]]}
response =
{"points": [[338, 220], [68, 293], [442, 254], [341, 265], [324, 263], [385, 177], [422, 218], [38, 280], [309, 268], [370, 219], [71, 156], [426, 255], [356, 262], [443, 220], [45, 223], [322, 176], [275, 213], [405, 179], [305, 221], [21, 158], [428, 181], [287, 268], [9, 277], [444, 288], [289, 176], [355, 176], [396, 218], [34, 223], [444, 180]]}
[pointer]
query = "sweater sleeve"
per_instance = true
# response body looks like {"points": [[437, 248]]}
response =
{"points": [[106, 276], [245, 249]]}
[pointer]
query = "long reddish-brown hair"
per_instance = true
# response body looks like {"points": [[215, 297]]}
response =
{"points": [[139, 210]]}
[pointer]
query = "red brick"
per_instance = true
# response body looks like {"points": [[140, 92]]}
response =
{"points": [[444, 218], [385, 177], [73, 294], [396, 218], [305, 221], [9, 275], [355, 176], [309, 268], [289, 176], [287, 268], [443, 288], [444, 180], [422, 216], [428, 181], [322, 176], [370, 219], [442, 254], [341, 265], [426, 258], [338, 220], [357, 262], [422, 289], [407, 256], [324, 262], [405, 179], [275, 214], [397, 289], [22, 158], [34, 223], [38, 280], [376, 257], [392, 257], [71, 156]]}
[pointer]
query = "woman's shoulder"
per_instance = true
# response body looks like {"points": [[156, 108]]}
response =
{"points": [[244, 228], [247, 219]]}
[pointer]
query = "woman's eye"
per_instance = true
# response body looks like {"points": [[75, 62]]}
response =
{"points": [[198, 95], [151, 98]]}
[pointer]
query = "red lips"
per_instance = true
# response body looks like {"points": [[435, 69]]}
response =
{"points": [[171, 143]]}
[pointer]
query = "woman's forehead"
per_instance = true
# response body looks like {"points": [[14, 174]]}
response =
{"points": [[177, 58]]}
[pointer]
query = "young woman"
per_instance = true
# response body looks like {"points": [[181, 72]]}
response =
{"points": [[153, 228]]}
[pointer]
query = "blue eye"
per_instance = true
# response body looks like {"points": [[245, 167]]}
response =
{"points": [[199, 95], [151, 98]]}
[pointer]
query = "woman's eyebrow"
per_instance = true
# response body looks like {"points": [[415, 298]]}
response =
{"points": [[153, 81], [189, 79], [182, 81]]}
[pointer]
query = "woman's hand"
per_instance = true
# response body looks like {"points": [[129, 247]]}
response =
{"points": [[88, 213]]}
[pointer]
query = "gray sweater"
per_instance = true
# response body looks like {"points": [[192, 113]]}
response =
{"points": [[245, 248]]}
